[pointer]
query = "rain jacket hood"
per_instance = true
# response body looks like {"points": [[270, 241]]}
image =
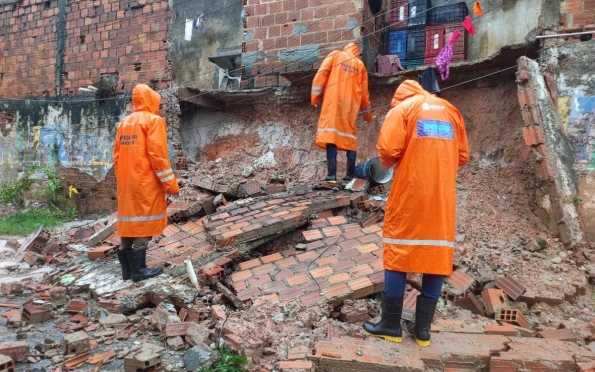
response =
{"points": [[406, 90], [145, 99], [352, 49]]}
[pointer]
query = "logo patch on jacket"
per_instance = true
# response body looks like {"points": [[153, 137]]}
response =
{"points": [[435, 128]]}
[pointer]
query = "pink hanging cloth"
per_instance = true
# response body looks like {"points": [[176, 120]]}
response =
{"points": [[455, 35], [469, 25]]}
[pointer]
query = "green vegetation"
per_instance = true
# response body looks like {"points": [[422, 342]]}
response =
{"points": [[26, 222], [228, 362], [55, 210]]}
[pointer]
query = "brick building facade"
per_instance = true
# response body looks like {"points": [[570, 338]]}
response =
{"points": [[53, 47]]}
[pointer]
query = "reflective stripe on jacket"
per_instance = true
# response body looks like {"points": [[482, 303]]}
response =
{"points": [[425, 137], [142, 168], [342, 83]]}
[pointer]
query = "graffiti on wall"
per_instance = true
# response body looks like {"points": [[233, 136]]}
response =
{"points": [[580, 127]]}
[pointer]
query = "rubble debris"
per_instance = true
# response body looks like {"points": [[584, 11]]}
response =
{"points": [[102, 234], [558, 334], [76, 361], [16, 350], [58, 296], [471, 303], [147, 358], [6, 364], [112, 319], [198, 355]]}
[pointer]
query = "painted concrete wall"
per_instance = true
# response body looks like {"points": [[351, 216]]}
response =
{"points": [[575, 82], [505, 22], [221, 30], [70, 132]]}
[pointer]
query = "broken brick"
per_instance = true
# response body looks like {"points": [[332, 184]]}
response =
{"points": [[372, 219], [6, 364], [218, 312], [511, 287], [471, 303], [558, 334], [494, 300], [460, 280], [365, 205], [176, 329], [503, 330], [76, 306], [102, 253], [36, 314], [16, 350], [76, 343], [300, 365], [513, 316]]}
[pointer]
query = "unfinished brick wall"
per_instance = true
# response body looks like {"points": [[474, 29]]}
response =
{"points": [[27, 47], [126, 38], [278, 29], [94, 197], [577, 15]]}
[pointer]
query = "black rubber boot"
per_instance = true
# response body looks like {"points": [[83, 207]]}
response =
{"points": [[123, 258], [389, 326], [331, 164], [350, 169], [424, 315], [138, 264]]}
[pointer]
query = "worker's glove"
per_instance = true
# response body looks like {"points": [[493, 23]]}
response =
{"points": [[368, 117]]}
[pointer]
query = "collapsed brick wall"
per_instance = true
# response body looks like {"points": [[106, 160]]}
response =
{"points": [[291, 35], [125, 38], [94, 197]]}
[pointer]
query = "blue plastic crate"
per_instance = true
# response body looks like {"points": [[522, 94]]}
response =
{"points": [[397, 43]]}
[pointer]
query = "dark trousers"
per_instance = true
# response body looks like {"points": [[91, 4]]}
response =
{"points": [[331, 152], [394, 284], [136, 244]]}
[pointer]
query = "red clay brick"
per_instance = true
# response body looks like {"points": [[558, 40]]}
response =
{"points": [[326, 260], [503, 330], [286, 262], [297, 279], [312, 299], [308, 256], [311, 235], [361, 287], [290, 293], [372, 229], [338, 220], [321, 272], [249, 294], [263, 269], [513, 316], [460, 280], [558, 334], [240, 276], [287, 365], [339, 278], [368, 248], [494, 300], [511, 287], [249, 264], [337, 291]]}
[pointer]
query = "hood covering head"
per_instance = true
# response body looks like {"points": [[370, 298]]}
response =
{"points": [[428, 81], [407, 89], [352, 49], [145, 99]]}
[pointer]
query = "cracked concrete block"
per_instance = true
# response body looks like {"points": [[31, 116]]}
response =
{"points": [[162, 316], [197, 334], [112, 319]]}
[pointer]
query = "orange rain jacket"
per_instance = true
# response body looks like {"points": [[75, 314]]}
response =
{"points": [[143, 171], [342, 83], [425, 137]]}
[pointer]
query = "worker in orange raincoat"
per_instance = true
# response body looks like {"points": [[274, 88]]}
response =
{"points": [[342, 84], [424, 138], [144, 176]]}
